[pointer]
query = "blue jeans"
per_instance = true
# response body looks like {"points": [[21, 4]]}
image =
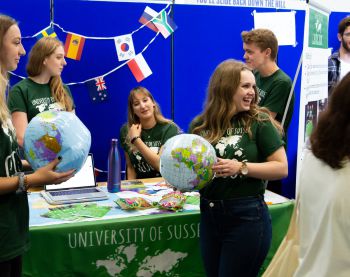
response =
{"points": [[235, 236]]}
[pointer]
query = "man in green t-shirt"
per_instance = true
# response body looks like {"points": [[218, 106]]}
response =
{"points": [[274, 86]]}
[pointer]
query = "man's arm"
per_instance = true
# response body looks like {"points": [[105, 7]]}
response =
{"points": [[333, 73]]}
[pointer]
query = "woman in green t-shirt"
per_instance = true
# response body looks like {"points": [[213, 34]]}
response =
{"points": [[43, 90], [235, 224], [14, 219], [144, 134]]}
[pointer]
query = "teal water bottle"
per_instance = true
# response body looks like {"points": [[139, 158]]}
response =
{"points": [[113, 179]]}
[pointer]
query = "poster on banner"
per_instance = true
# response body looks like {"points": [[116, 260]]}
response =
{"points": [[282, 24], [314, 89], [314, 78], [318, 29], [315, 74]]}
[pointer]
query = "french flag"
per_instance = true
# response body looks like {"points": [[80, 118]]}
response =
{"points": [[139, 68], [147, 16]]}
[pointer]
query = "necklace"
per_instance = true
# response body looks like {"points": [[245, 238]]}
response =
{"points": [[148, 133]]}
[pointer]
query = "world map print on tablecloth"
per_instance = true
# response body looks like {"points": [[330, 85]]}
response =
{"points": [[163, 263]]}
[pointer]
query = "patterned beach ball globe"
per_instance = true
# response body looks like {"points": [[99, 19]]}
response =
{"points": [[186, 162], [51, 134]]}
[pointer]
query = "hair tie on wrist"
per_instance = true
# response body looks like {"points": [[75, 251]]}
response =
{"points": [[22, 183], [134, 139]]}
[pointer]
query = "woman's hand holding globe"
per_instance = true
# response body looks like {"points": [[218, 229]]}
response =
{"points": [[47, 175]]}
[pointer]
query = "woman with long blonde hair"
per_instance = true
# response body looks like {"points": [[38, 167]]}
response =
{"points": [[235, 224], [43, 90], [14, 219], [144, 134]]}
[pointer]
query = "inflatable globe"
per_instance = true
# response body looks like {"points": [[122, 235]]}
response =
{"points": [[186, 162], [51, 134]]}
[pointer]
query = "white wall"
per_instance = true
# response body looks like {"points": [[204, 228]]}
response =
{"points": [[335, 5]]}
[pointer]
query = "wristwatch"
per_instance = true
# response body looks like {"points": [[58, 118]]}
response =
{"points": [[243, 170]]}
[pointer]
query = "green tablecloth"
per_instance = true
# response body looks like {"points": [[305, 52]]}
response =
{"points": [[152, 245]]}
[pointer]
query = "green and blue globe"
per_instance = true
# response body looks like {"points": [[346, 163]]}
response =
{"points": [[186, 162], [51, 134]]}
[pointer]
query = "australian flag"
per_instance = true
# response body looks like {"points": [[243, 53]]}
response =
{"points": [[97, 89]]}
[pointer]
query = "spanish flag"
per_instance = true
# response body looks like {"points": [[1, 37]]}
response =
{"points": [[74, 46]]}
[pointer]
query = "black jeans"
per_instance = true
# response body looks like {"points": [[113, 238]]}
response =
{"points": [[235, 236]]}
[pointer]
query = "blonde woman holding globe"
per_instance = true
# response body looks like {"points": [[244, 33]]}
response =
{"points": [[235, 224]]}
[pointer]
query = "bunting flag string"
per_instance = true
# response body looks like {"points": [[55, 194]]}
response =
{"points": [[53, 24], [104, 75], [75, 42], [114, 69]]}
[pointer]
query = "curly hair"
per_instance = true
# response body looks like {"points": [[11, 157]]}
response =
{"points": [[263, 38]]}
